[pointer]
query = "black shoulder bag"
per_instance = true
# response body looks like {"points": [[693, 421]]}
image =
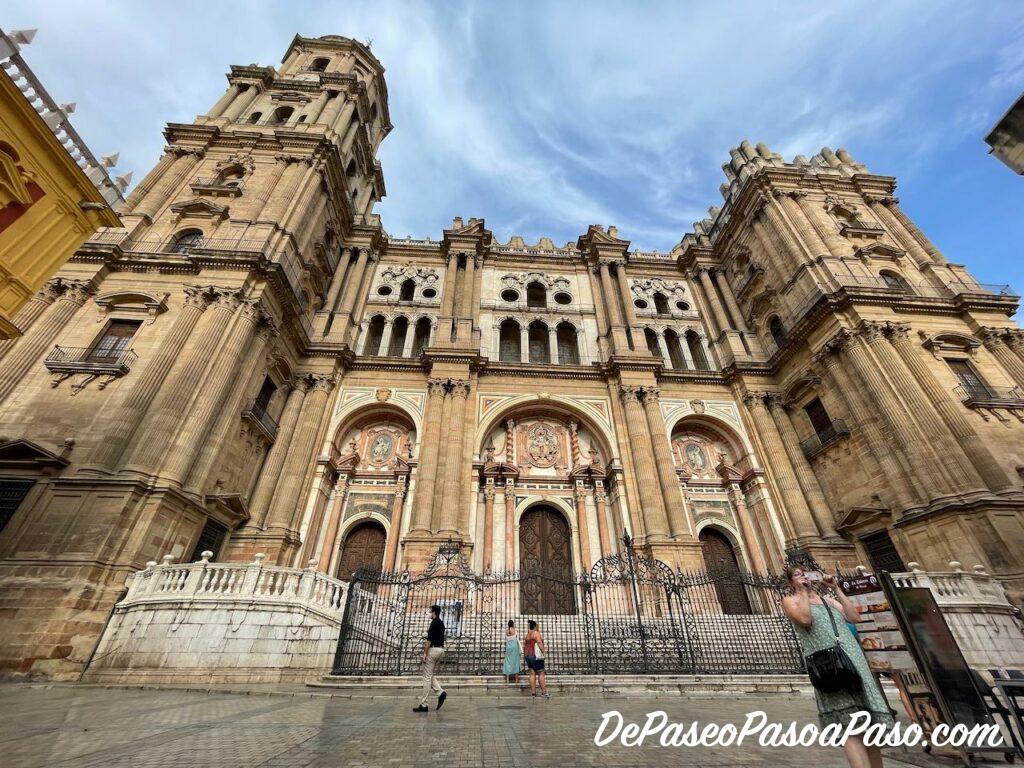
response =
{"points": [[831, 669]]}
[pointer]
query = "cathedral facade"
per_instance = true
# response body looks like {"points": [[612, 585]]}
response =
{"points": [[251, 365]]}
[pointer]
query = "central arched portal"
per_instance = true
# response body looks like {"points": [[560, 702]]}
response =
{"points": [[720, 556], [545, 563], [363, 547]]}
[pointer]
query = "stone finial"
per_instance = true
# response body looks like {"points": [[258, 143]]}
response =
{"points": [[258, 558], [980, 570], [312, 564], [861, 570], [956, 566], [914, 567], [205, 556], [151, 565], [167, 559]]}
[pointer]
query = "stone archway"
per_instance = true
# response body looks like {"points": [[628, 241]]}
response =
{"points": [[363, 547], [720, 556], [545, 562]]}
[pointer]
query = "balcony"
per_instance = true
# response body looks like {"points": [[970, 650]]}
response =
{"points": [[200, 246], [256, 413], [218, 186], [821, 440], [67, 361], [985, 396]]}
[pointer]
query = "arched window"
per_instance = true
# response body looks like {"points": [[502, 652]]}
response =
{"points": [[895, 282], [255, 117], [776, 330], [319, 65], [408, 292], [281, 115], [661, 304], [700, 360], [422, 337], [510, 342], [568, 346], [399, 330], [652, 342], [675, 352], [185, 240], [231, 177], [540, 346], [374, 333], [536, 295]]}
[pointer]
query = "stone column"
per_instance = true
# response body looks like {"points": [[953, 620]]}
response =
{"points": [[338, 280], [316, 108], [286, 501], [656, 519], [166, 160], [488, 526], [385, 338], [27, 350], [335, 106], [731, 304], [863, 419], [716, 306], [241, 103], [581, 524], [627, 300], [705, 305], [553, 344], [908, 439], [31, 311], [223, 101], [995, 341], [805, 476], [267, 187], [663, 348], [600, 499], [271, 471], [782, 231], [750, 541], [283, 193], [524, 343], [952, 414], [153, 439], [892, 205], [610, 294], [334, 523], [222, 376], [426, 479], [510, 524], [352, 282], [162, 190], [807, 224], [395, 527], [466, 303], [449, 504], [447, 313], [794, 506], [121, 426], [667, 477]]}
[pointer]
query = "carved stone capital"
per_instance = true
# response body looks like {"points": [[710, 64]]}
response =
{"points": [[436, 386], [489, 493], [871, 331], [651, 395], [630, 394], [460, 388]]}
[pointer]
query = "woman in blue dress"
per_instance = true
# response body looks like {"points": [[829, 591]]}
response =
{"points": [[513, 651], [809, 613]]}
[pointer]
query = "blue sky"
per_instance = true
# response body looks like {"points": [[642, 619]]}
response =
{"points": [[546, 117]]}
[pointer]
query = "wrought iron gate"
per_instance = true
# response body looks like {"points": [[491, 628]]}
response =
{"points": [[630, 615]]}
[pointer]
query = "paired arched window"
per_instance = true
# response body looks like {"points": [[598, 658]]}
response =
{"points": [[540, 346], [399, 330], [675, 352], [184, 240], [536, 295], [422, 337], [408, 290], [510, 342], [652, 342], [568, 346], [281, 115], [700, 360]]}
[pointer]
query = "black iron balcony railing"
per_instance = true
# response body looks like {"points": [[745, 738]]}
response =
{"points": [[823, 438], [89, 360], [218, 185], [985, 396], [198, 245], [256, 413]]}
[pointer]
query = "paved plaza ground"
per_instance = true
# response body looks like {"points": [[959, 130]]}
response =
{"points": [[69, 726]]}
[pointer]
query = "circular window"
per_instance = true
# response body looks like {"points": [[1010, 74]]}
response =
{"points": [[682, 306], [563, 298], [429, 293], [510, 295], [385, 290], [640, 304]]}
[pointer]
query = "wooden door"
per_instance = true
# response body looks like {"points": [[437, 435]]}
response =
{"points": [[545, 563], [363, 547], [720, 558]]}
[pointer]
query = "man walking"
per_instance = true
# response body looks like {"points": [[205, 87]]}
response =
{"points": [[433, 652]]}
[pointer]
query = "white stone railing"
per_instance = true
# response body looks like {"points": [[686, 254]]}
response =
{"points": [[252, 582], [958, 590]]}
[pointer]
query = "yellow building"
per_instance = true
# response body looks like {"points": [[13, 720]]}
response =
{"points": [[53, 192]]}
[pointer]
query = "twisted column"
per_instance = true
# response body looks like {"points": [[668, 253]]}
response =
{"points": [[654, 513], [128, 417], [794, 505], [72, 294], [805, 476], [670, 491], [270, 474], [952, 414], [152, 442], [427, 472]]}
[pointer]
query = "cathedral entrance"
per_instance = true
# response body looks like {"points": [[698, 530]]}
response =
{"points": [[719, 555], [363, 548], [545, 549]]}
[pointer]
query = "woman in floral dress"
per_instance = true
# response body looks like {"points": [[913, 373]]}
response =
{"points": [[809, 613]]}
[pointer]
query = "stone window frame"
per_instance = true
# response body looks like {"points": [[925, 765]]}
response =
{"points": [[681, 331], [553, 285], [674, 291], [552, 321], [394, 275]]}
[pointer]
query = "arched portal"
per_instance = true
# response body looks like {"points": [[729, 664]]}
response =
{"points": [[720, 556], [363, 547], [545, 562]]}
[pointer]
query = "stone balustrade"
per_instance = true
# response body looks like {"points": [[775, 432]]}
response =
{"points": [[221, 623]]}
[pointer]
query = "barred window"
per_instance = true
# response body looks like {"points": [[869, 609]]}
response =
{"points": [[210, 538], [12, 493], [114, 340]]}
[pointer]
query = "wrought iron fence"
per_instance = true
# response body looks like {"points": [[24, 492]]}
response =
{"points": [[629, 615]]}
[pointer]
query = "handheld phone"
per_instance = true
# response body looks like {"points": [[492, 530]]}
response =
{"points": [[813, 575]]}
